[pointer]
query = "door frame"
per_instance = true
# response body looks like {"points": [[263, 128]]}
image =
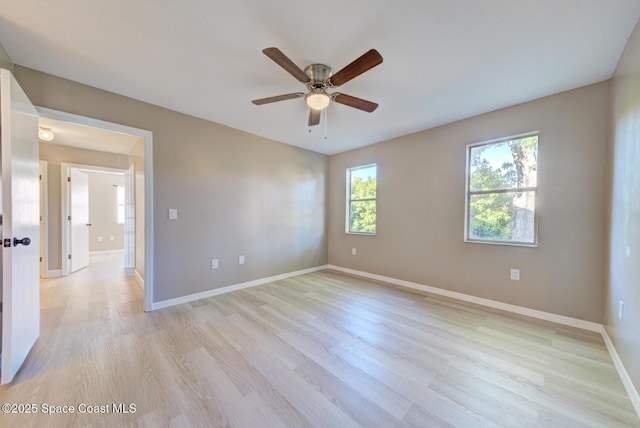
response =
{"points": [[147, 137], [130, 218], [44, 220], [65, 199]]}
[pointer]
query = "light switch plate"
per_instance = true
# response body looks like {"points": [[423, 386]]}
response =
{"points": [[173, 214]]}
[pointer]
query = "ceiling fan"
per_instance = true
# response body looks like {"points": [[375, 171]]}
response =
{"points": [[318, 78]]}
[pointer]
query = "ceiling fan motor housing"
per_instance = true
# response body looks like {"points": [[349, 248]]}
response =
{"points": [[319, 75]]}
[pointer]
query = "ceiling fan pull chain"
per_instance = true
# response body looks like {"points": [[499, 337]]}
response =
{"points": [[326, 119]]}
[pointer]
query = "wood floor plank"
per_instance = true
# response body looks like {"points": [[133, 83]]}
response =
{"points": [[322, 349], [370, 387]]}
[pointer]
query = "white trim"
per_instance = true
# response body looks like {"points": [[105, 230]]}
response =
{"points": [[622, 372], [44, 222], [54, 273], [97, 253], [468, 193], [560, 319], [147, 136], [149, 209], [65, 197], [347, 218], [217, 291], [507, 138], [139, 278], [130, 218], [533, 313]]}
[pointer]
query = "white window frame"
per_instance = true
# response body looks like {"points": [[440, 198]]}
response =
{"points": [[123, 204], [349, 200], [469, 193]]}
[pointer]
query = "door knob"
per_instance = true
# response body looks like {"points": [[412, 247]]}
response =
{"points": [[23, 241]]}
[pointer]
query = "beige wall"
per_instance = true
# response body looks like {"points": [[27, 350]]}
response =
{"points": [[54, 220], [421, 185], [5, 60], [236, 193], [623, 276], [102, 212], [55, 154]]}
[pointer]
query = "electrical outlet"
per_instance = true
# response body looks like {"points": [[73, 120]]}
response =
{"points": [[214, 263], [353, 251], [515, 274], [240, 260], [173, 213], [620, 309]]}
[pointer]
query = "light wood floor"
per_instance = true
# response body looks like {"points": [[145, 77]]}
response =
{"points": [[322, 349]]}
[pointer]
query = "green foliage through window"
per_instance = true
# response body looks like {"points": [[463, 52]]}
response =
{"points": [[502, 188], [362, 199]]}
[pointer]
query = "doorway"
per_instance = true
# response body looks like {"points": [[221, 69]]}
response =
{"points": [[141, 173], [93, 201]]}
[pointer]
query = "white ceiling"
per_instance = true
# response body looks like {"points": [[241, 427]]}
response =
{"points": [[84, 137], [443, 60]]}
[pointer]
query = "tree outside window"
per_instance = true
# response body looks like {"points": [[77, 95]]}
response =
{"points": [[361, 199], [501, 191]]}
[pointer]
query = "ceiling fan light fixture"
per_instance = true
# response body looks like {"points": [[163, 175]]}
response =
{"points": [[318, 99], [46, 134]]}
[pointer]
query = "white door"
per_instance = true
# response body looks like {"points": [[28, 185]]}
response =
{"points": [[20, 222], [79, 219]]}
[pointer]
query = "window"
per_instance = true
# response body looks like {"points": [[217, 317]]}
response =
{"points": [[120, 204], [361, 199], [502, 187]]}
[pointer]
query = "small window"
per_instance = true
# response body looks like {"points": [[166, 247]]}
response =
{"points": [[502, 188], [361, 199], [120, 204]]}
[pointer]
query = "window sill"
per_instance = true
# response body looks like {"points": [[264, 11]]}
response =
{"points": [[504, 243]]}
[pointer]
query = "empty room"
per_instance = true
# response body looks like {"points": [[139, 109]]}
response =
{"points": [[299, 214]]}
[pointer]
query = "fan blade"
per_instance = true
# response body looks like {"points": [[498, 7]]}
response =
{"points": [[277, 98], [283, 61], [366, 62], [354, 102], [314, 117]]}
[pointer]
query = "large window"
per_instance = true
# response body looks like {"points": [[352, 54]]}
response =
{"points": [[361, 199], [502, 186]]}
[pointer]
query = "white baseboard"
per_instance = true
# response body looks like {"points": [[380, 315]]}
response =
{"points": [[139, 278], [54, 273], [217, 291], [560, 319], [533, 313], [93, 253], [624, 375]]}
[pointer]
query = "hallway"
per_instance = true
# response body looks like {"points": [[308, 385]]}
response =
{"points": [[87, 321]]}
